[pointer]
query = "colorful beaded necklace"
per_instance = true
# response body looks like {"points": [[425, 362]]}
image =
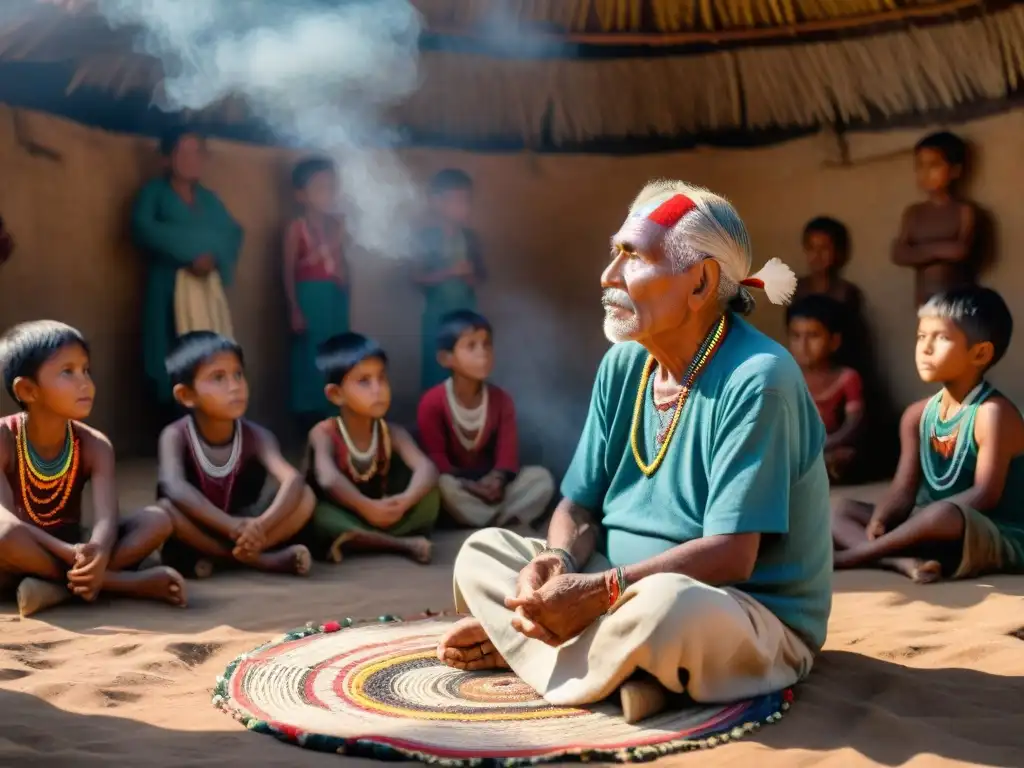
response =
{"points": [[707, 349], [948, 439], [380, 443], [467, 421], [40, 477]]}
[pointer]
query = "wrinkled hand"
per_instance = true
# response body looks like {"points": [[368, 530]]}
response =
{"points": [[535, 575], [251, 539], [874, 529], [86, 575], [560, 609], [203, 265]]}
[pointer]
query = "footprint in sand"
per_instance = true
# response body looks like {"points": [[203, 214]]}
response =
{"points": [[35, 663], [193, 654], [907, 652], [6, 675], [117, 698], [123, 650], [1018, 633], [32, 646]]}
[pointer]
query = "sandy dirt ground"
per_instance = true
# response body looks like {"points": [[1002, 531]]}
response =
{"points": [[915, 676]]}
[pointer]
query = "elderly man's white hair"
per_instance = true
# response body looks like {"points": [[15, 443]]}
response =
{"points": [[713, 229]]}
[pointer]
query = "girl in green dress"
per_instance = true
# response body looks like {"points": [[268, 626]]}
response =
{"points": [[376, 489], [178, 224], [316, 284], [449, 267]]}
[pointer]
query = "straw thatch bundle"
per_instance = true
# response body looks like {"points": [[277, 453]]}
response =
{"points": [[917, 56]]}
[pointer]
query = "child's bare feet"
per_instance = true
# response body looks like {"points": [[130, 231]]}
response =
{"points": [[294, 560], [203, 569], [421, 549], [159, 583], [917, 570], [466, 646], [36, 595]]}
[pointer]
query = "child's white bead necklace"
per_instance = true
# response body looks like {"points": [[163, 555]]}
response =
{"points": [[467, 420], [354, 453], [205, 464]]}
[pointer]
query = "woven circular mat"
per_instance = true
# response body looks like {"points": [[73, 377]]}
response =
{"points": [[377, 690]]}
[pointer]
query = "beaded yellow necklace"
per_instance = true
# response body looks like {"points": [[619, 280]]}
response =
{"points": [[707, 350], [37, 479]]}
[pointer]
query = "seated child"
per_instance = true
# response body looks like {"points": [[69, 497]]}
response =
{"points": [[376, 489], [468, 429], [815, 336], [937, 236], [956, 505], [215, 467], [48, 455]]}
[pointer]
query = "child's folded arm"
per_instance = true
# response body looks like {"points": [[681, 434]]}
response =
{"points": [[188, 499], [506, 454], [424, 473], [290, 482], [100, 455]]}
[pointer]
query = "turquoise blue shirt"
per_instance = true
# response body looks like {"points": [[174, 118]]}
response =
{"points": [[746, 457]]}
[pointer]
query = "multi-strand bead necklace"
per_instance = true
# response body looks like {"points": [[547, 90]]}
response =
{"points": [[706, 351], [467, 421], [370, 457], [46, 485], [220, 475], [949, 439]]}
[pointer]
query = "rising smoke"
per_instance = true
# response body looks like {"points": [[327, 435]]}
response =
{"points": [[321, 73]]}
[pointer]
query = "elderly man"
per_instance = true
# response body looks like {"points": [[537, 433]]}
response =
{"points": [[691, 550]]}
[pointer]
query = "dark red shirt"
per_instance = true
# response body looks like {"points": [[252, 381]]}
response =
{"points": [[497, 449]]}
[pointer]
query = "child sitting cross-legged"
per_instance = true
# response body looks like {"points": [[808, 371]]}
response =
{"points": [[48, 457], [815, 336], [376, 488], [468, 428], [218, 471], [956, 505]]}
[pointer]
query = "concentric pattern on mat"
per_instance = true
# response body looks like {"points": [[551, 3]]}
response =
{"points": [[379, 690]]}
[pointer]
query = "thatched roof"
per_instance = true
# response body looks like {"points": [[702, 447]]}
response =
{"points": [[613, 69]]}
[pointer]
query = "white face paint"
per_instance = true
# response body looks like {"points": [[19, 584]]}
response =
{"points": [[620, 319]]}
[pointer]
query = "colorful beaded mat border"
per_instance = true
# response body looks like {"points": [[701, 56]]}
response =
{"points": [[374, 688]]}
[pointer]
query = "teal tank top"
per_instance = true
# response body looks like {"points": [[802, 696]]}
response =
{"points": [[949, 458]]}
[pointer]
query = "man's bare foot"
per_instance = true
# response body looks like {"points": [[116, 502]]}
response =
{"points": [[36, 595], [917, 570], [294, 560], [642, 699], [466, 646], [421, 549]]}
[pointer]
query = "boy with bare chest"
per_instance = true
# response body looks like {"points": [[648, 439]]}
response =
{"points": [[937, 237]]}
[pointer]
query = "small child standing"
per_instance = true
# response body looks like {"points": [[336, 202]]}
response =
{"points": [[956, 505], [815, 336], [376, 489], [450, 266], [48, 456], [215, 467], [468, 428], [937, 236], [316, 282], [826, 243]]}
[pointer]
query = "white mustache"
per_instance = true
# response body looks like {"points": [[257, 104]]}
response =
{"points": [[615, 297]]}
